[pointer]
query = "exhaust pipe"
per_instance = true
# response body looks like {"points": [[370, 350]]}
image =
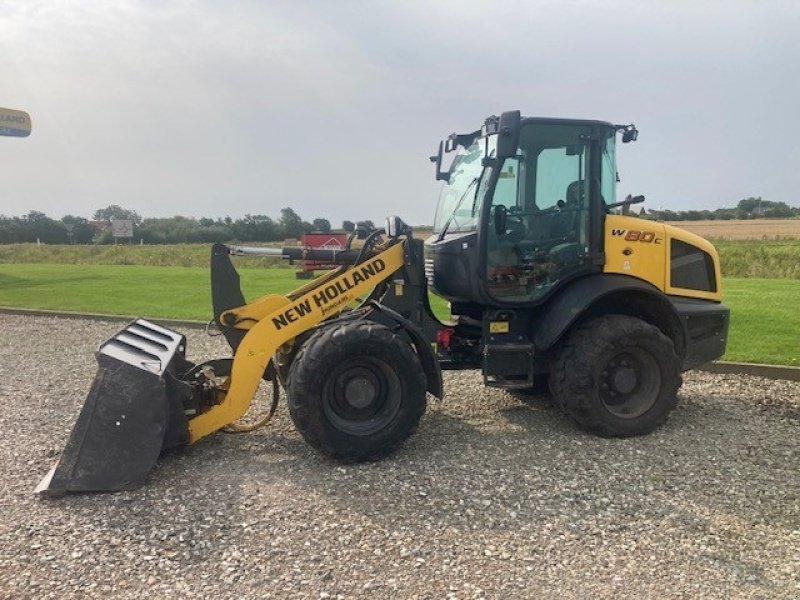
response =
{"points": [[135, 409]]}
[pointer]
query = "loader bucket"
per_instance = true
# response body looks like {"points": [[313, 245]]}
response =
{"points": [[134, 410]]}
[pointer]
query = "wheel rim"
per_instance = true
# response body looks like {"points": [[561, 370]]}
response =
{"points": [[362, 395], [630, 382]]}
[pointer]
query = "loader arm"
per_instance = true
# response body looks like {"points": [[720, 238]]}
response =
{"points": [[147, 397], [273, 320]]}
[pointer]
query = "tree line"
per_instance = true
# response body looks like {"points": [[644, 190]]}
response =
{"points": [[37, 226], [748, 208], [262, 228]]}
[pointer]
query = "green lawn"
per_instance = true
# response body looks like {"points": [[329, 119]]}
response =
{"points": [[765, 322], [167, 292], [173, 292]]}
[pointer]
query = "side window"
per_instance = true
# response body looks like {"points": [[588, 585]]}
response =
{"points": [[556, 170], [608, 181], [508, 191]]}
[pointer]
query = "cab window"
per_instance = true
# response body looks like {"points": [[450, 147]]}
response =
{"points": [[544, 191]]}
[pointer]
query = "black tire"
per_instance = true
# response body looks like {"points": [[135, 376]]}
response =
{"points": [[356, 391], [617, 376]]}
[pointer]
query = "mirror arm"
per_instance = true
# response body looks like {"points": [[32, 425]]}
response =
{"points": [[626, 204]]}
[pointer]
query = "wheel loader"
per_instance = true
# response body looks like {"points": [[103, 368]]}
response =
{"points": [[550, 282]]}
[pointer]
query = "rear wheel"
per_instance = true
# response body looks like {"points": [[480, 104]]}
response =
{"points": [[617, 376], [356, 391]]}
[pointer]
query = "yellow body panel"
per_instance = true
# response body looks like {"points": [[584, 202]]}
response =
{"points": [[640, 248], [250, 314], [274, 320], [637, 248]]}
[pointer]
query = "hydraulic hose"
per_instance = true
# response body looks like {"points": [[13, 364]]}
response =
{"points": [[241, 426]]}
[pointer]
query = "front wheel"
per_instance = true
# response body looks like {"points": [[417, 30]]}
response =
{"points": [[617, 376], [356, 391]]}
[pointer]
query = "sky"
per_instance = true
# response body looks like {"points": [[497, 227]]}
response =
{"points": [[333, 108]]}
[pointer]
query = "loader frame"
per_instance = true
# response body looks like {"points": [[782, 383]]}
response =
{"points": [[108, 450], [358, 348]]}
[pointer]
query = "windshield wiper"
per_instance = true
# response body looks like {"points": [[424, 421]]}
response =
{"points": [[458, 205]]}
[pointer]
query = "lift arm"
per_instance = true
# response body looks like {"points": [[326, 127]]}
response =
{"points": [[274, 320]]}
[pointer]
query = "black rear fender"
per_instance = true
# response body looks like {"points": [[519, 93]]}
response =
{"points": [[597, 295]]}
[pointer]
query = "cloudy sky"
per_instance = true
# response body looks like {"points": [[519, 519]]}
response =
{"points": [[227, 108]]}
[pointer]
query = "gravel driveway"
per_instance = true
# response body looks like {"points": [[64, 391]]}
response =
{"points": [[494, 497]]}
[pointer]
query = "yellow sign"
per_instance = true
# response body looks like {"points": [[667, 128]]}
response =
{"points": [[14, 123], [498, 327]]}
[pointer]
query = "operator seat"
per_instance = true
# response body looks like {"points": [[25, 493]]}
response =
{"points": [[566, 224], [566, 227]]}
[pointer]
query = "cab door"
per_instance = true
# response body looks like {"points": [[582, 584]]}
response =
{"points": [[543, 193]]}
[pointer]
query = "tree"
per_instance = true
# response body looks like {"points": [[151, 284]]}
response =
{"points": [[348, 226], [13, 231], [322, 225], [367, 226], [747, 206], [778, 210], [725, 214], [259, 228], [43, 228], [114, 211], [79, 231], [291, 223]]}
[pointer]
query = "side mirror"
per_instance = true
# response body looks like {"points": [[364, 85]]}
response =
{"points": [[437, 160], [508, 134], [500, 219], [629, 133]]}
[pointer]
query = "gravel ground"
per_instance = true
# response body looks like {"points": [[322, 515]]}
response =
{"points": [[492, 498]]}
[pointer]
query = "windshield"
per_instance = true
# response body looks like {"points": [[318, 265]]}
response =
{"points": [[460, 199]]}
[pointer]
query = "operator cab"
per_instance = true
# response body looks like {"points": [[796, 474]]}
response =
{"points": [[521, 209]]}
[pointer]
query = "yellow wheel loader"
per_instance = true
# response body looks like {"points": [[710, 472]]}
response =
{"points": [[550, 283]]}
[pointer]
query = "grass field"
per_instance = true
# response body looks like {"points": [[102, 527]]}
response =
{"points": [[175, 255], [749, 229], [764, 324], [167, 292], [771, 259], [761, 258]]}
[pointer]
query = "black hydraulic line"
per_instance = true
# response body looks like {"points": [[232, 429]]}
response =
{"points": [[362, 255], [336, 257], [325, 255]]}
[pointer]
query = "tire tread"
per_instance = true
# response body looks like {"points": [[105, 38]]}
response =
{"points": [[303, 382], [574, 387]]}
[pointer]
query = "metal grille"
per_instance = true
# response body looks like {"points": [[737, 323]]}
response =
{"points": [[429, 271], [145, 345]]}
